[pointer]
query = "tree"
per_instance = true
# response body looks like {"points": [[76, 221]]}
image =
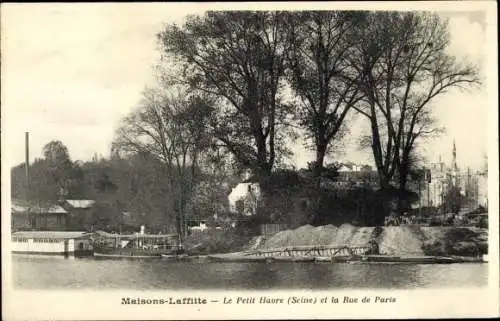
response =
{"points": [[453, 199], [237, 58], [172, 128], [318, 73], [51, 177], [404, 67], [59, 167]]}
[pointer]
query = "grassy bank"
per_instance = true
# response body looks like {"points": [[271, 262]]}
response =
{"points": [[215, 241], [455, 241]]}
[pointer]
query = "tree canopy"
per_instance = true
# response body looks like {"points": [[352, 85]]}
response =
{"points": [[239, 59]]}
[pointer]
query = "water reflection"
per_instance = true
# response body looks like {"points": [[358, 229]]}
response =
{"points": [[52, 272]]}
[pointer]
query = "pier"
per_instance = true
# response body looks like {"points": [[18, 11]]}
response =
{"points": [[311, 251]]}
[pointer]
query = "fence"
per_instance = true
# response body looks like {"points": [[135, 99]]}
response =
{"points": [[270, 229], [313, 250]]}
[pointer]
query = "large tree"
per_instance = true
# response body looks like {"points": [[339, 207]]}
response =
{"points": [[238, 58], [405, 65], [172, 128], [319, 73], [51, 177]]}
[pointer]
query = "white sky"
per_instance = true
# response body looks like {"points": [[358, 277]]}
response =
{"points": [[71, 71]]}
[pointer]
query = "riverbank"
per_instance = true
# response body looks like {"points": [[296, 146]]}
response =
{"points": [[408, 241], [245, 257]]}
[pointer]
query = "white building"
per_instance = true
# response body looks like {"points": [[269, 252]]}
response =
{"points": [[52, 242], [473, 184], [244, 198]]}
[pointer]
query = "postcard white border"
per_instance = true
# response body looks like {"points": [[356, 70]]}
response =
{"points": [[436, 303]]}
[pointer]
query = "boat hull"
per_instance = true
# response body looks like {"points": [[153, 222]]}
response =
{"points": [[408, 259], [132, 253], [56, 253]]}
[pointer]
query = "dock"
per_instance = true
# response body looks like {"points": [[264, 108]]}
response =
{"points": [[312, 251], [333, 254]]}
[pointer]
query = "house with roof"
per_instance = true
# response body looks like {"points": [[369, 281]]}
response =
{"points": [[80, 213], [355, 175], [244, 198], [38, 217]]}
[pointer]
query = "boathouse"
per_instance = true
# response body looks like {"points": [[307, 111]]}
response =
{"points": [[47, 218], [52, 242], [79, 213]]}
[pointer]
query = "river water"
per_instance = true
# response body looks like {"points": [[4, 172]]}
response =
{"points": [[49, 272]]}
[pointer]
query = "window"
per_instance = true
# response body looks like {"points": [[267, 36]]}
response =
{"points": [[19, 240], [33, 222], [240, 206]]}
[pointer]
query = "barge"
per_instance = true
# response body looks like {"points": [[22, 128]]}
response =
{"points": [[137, 245], [52, 243]]}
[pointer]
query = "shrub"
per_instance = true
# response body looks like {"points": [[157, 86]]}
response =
{"points": [[215, 241]]}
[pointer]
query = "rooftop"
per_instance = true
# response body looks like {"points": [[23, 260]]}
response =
{"points": [[134, 236], [83, 204], [51, 235], [17, 208]]}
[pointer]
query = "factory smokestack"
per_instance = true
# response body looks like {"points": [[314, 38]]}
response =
{"points": [[27, 163]]}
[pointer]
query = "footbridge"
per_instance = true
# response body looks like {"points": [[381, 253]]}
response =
{"points": [[311, 251]]}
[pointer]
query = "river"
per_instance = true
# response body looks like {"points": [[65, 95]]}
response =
{"points": [[49, 272]]}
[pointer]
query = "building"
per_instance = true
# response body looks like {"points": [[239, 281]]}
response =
{"points": [[48, 218], [355, 175], [80, 213], [55, 243], [244, 198], [473, 184]]}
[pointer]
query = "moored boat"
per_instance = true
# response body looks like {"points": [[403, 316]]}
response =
{"points": [[238, 257], [294, 258], [137, 245], [175, 257], [407, 259], [52, 243]]}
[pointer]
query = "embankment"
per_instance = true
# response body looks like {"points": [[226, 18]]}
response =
{"points": [[392, 240]]}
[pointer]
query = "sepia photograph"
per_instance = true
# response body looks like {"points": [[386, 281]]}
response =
{"points": [[256, 150]]}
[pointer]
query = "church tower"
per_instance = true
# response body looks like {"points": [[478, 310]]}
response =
{"points": [[454, 166]]}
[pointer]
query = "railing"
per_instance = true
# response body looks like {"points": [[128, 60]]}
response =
{"points": [[312, 250], [270, 229]]}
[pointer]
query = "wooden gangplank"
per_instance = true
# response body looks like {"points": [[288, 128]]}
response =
{"points": [[311, 250]]}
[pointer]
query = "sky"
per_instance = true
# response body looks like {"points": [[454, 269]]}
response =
{"points": [[70, 72]]}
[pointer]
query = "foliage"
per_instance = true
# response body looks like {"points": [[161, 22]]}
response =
{"points": [[238, 58], [319, 73], [453, 199], [247, 78], [458, 241], [172, 129], [404, 66], [50, 178], [215, 241]]}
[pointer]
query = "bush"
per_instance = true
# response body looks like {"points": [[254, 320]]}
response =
{"points": [[482, 223], [215, 241], [457, 241], [436, 248]]}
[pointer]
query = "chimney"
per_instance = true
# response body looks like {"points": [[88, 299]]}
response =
{"points": [[27, 163]]}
